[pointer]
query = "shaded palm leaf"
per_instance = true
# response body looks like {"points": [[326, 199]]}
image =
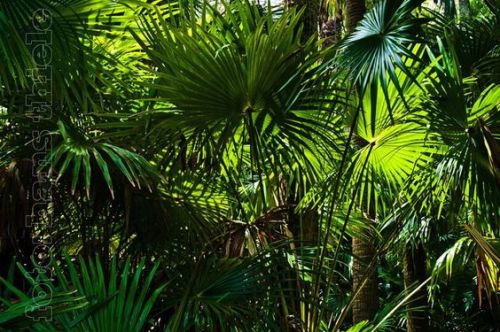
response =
{"points": [[84, 299], [81, 157], [379, 44]]}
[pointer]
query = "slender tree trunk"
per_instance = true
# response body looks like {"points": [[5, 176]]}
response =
{"points": [[414, 271], [305, 227], [355, 11], [463, 8], [331, 26], [310, 17], [366, 302], [310, 228], [18, 215]]}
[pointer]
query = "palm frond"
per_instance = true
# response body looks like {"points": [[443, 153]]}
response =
{"points": [[87, 157], [379, 44], [82, 298]]}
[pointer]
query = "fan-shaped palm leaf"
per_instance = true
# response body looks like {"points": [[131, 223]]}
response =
{"points": [[83, 298], [380, 43], [468, 127], [86, 157], [240, 78]]}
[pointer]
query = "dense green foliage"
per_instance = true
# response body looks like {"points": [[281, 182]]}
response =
{"points": [[214, 166]]}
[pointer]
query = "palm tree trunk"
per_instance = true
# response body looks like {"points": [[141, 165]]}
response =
{"points": [[310, 17], [305, 226], [366, 302], [331, 26], [463, 8], [355, 11], [310, 228], [18, 215], [414, 271]]}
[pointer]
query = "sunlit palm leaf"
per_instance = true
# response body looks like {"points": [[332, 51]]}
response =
{"points": [[242, 78]]}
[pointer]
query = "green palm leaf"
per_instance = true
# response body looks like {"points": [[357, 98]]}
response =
{"points": [[239, 78], [379, 44], [83, 299], [89, 157]]}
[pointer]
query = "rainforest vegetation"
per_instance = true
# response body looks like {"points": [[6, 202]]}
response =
{"points": [[241, 165]]}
